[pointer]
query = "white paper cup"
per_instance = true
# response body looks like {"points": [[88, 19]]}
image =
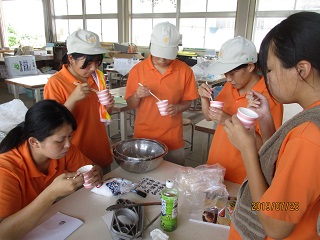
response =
{"points": [[87, 174], [162, 106], [246, 116]]}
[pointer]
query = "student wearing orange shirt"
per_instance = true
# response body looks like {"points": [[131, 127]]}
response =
{"points": [[168, 78], [281, 197], [84, 56], [238, 62], [38, 165]]}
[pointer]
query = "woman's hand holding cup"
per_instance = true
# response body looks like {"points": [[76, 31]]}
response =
{"points": [[91, 176]]}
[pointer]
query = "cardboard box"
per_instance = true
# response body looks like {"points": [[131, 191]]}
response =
{"points": [[116, 54], [21, 65]]}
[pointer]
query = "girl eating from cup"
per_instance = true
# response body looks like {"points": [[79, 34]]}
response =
{"points": [[38, 165], [280, 198]]}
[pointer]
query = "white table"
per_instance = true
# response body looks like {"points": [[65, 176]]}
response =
{"points": [[35, 82], [90, 207]]}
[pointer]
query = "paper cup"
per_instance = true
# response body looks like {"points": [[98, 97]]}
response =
{"points": [[216, 104], [162, 106], [246, 116], [103, 96], [87, 174]]}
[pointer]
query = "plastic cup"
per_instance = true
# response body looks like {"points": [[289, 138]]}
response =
{"points": [[87, 174], [162, 106], [246, 116], [216, 104], [103, 96]]}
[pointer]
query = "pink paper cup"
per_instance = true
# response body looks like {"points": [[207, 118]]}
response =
{"points": [[103, 93], [104, 101], [246, 116], [162, 106], [103, 96], [216, 104], [87, 174]]}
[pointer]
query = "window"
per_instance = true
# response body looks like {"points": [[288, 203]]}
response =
{"points": [[98, 16], [202, 23], [141, 35], [21, 27], [271, 12]]}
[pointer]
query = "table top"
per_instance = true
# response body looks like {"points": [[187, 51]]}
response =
{"points": [[34, 81], [90, 207], [118, 92], [120, 104], [206, 126], [6, 50]]}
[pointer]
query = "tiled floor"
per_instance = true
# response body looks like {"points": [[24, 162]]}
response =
{"points": [[193, 158]]}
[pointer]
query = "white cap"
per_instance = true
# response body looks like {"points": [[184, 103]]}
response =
{"points": [[164, 41], [169, 183], [85, 42], [233, 53]]}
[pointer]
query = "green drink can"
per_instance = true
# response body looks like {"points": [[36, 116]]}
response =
{"points": [[169, 207]]}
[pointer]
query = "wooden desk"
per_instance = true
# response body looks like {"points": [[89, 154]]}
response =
{"points": [[6, 51], [36, 83], [208, 127], [91, 207]]}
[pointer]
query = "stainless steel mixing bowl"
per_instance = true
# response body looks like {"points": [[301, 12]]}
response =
{"points": [[139, 155]]}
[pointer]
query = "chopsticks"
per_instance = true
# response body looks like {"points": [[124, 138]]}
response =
{"points": [[150, 92], [92, 89]]}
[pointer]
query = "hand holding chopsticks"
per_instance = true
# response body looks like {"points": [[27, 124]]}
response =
{"points": [[92, 89], [150, 93]]}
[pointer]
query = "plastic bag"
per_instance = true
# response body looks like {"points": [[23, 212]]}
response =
{"points": [[11, 114], [114, 187], [117, 186], [201, 188]]}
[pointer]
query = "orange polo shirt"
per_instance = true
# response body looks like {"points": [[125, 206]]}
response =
{"points": [[222, 151], [91, 135], [177, 84], [20, 180], [296, 182]]}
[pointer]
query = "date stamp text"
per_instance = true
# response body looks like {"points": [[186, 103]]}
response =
{"points": [[275, 206]]}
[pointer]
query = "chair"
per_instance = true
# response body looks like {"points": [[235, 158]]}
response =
{"points": [[189, 143]]}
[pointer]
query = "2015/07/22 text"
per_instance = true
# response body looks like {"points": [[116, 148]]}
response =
{"points": [[275, 206]]}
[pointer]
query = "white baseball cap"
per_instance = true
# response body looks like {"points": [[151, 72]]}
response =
{"points": [[164, 41], [85, 42], [233, 53]]}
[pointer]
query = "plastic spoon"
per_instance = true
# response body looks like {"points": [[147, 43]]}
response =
{"points": [[211, 93], [150, 92]]}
